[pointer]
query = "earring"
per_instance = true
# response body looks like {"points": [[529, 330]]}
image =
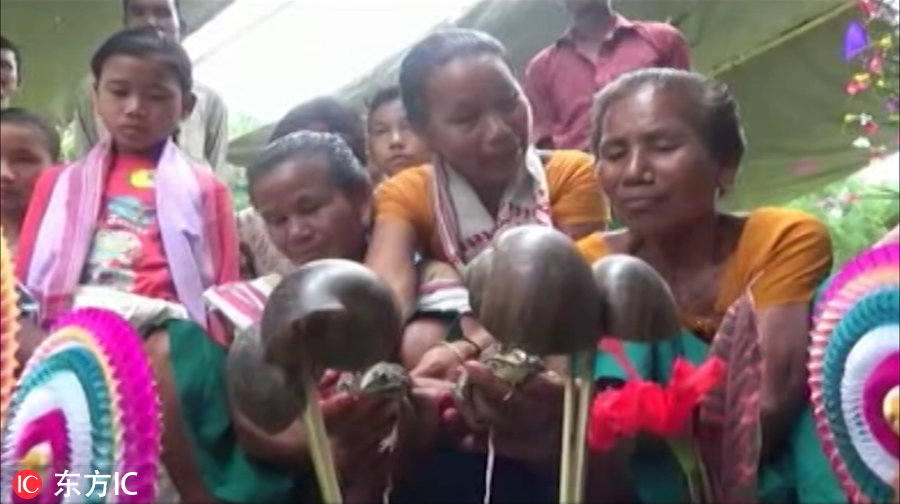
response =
{"points": [[720, 195]]}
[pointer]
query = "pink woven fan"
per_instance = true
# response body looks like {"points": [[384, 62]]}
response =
{"points": [[9, 326], [872, 263], [87, 403], [854, 360]]}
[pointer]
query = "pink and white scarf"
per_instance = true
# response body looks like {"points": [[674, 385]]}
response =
{"points": [[465, 227], [70, 218]]}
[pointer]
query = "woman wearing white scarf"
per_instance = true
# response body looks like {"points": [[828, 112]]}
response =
{"points": [[461, 96]]}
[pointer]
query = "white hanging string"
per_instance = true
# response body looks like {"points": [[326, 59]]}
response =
{"points": [[489, 467]]}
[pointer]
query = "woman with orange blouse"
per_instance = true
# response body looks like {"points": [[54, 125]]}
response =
{"points": [[461, 96], [668, 145]]}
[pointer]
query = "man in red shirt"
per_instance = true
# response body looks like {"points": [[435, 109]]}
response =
{"points": [[599, 46]]}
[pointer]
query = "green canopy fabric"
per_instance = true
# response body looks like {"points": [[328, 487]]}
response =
{"points": [[57, 38], [781, 59]]}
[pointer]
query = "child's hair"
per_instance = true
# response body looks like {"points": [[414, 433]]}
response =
{"points": [[7, 44], [344, 169], [337, 118], [146, 41], [23, 117], [433, 52], [380, 98]]}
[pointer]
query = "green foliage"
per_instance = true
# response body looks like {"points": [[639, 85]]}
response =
{"points": [[236, 179], [876, 74], [857, 214], [240, 124], [66, 144]]}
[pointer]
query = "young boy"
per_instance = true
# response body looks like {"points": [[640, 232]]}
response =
{"points": [[393, 145], [135, 226], [28, 146], [203, 134], [10, 71]]}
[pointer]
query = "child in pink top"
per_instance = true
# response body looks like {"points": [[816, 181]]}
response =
{"points": [[135, 226]]}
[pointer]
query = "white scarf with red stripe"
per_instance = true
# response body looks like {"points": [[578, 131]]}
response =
{"points": [[242, 303], [465, 227]]}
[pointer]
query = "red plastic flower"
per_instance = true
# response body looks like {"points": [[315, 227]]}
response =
{"points": [[647, 406], [687, 387], [615, 414]]}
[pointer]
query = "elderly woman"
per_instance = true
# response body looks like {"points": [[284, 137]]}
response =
{"points": [[668, 145]]}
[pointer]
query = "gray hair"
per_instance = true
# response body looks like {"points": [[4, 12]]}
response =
{"points": [[708, 103]]}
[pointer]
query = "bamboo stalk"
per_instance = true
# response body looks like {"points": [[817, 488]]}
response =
{"points": [[319, 447], [585, 392], [565, 469]]}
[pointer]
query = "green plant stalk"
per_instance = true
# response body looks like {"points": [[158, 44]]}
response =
{"points": [[704, 476], [319, 447], [585, 391], [565, 468], [686, 456]]}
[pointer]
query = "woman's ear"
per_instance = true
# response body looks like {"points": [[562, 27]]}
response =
{"points": [[726, 178], [188, 104]]}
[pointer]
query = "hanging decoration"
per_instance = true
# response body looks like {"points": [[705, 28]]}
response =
{"points": [[871, 47], [854, 376]]}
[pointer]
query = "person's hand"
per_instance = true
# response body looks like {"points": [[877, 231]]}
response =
{"points": [[442, 361], [356, 427], [527, 422], [327, 383], [431, 398]]}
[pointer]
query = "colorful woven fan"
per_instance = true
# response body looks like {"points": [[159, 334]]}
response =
{"points": [[85, 402], [9, 326], [855, 372]]}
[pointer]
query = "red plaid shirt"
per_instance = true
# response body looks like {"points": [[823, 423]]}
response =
{"points": [[561, 81]]}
